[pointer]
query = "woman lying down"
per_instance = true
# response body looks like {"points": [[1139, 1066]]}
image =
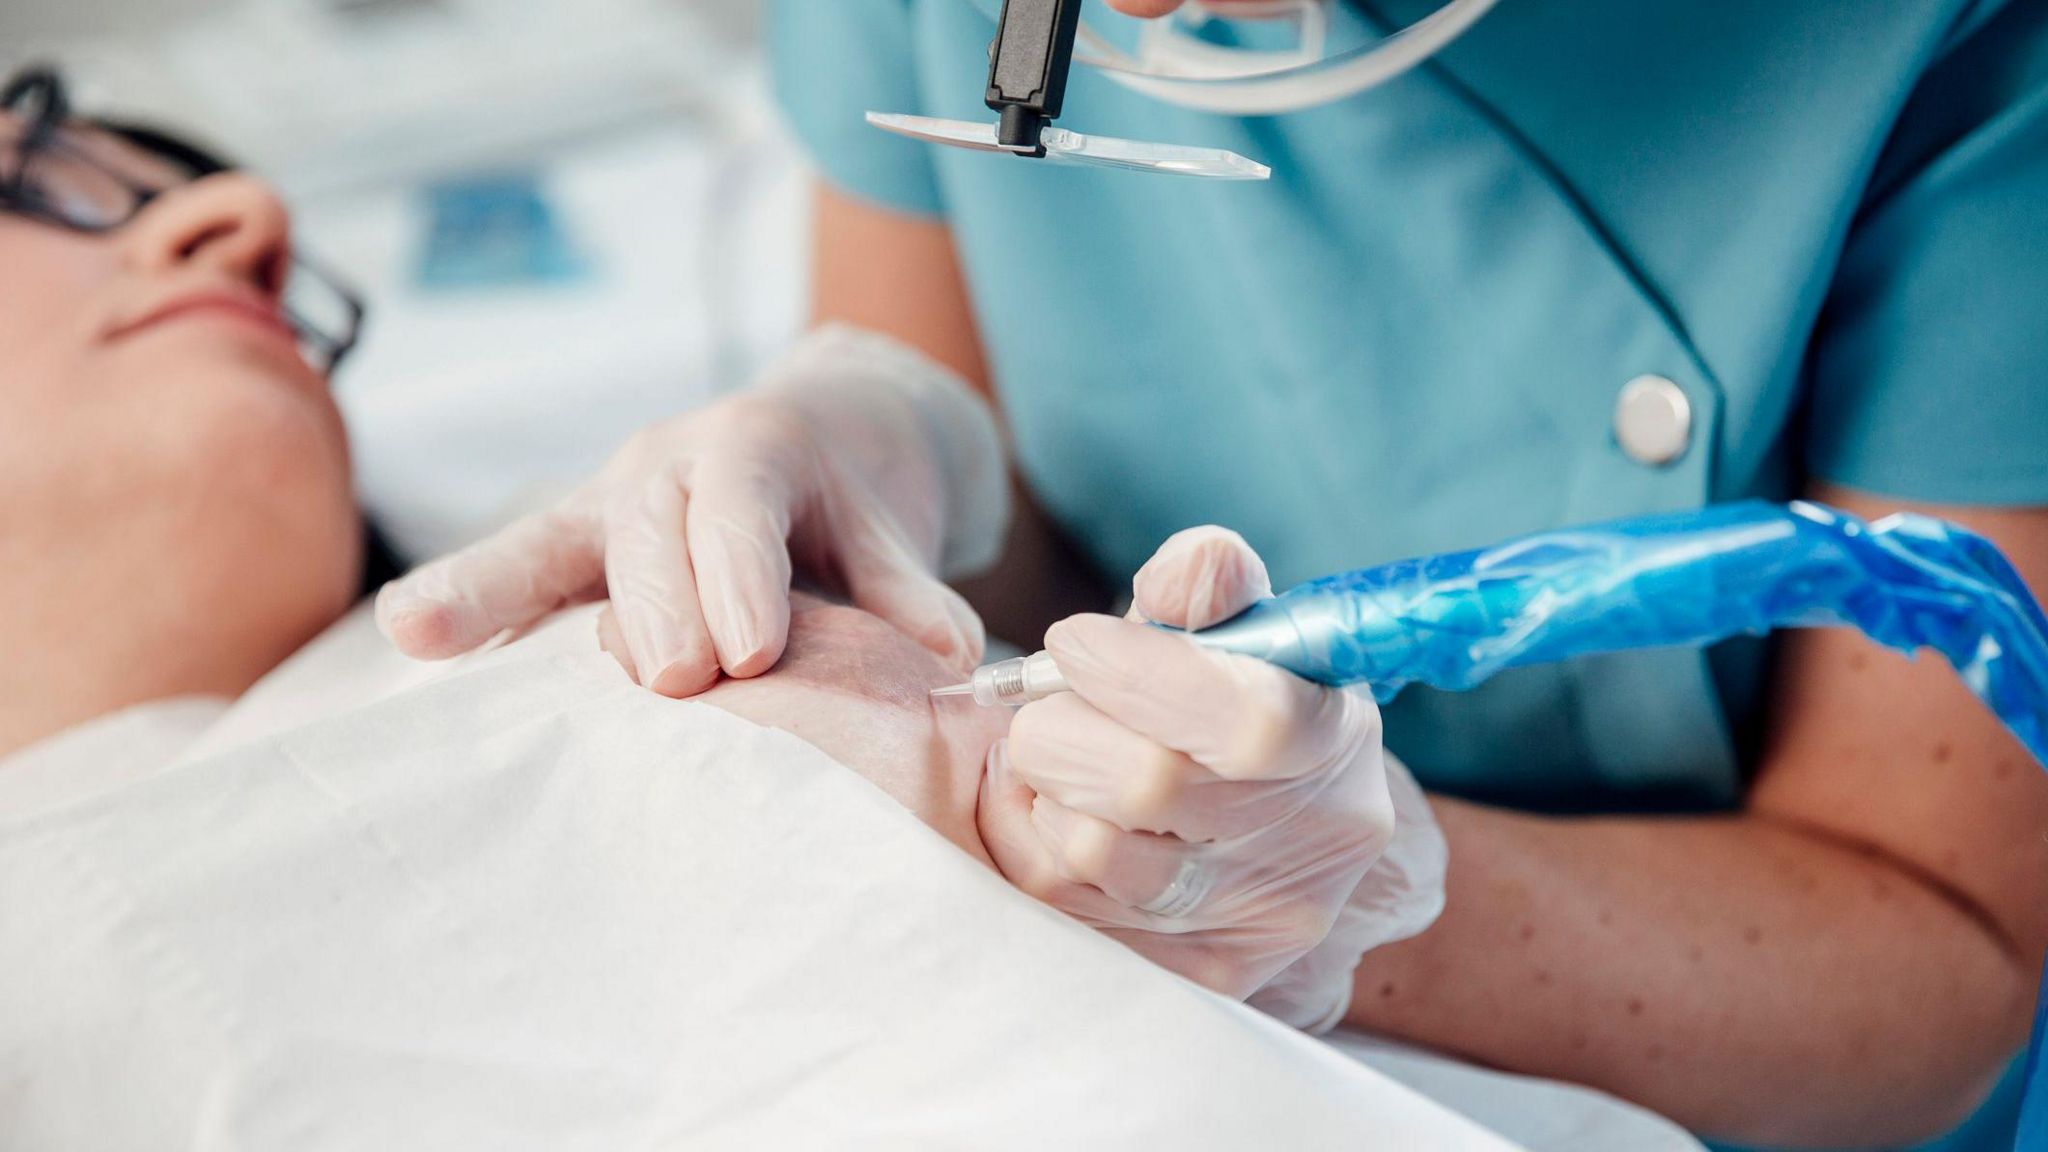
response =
{"points": [[268, 884]]}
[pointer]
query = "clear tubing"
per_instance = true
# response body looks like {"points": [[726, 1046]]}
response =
{"points": [[1681, 579], [1291, 89], [1177, 68]]}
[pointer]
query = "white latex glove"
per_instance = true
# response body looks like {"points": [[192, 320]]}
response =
{"points": [[1400, 896], [867, 464], [1212, 811]]}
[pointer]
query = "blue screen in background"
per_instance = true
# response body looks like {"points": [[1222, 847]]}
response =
{"points": [[495, 230]]}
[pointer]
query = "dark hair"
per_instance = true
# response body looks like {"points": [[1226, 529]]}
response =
{"points": [[167, 144], [381, 564]]}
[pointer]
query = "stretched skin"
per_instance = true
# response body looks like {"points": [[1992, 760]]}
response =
{"points": [[857, 689]]}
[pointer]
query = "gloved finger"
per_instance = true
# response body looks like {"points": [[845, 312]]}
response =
{"points": [[1003, 818], [1234, 956], [1065, 748], [1312, 993], [511, 578], [1159, 875], [1212, 959], [1200, 576], [1242, 718], [654, 592], [613, 642], [1235, 959], [1398, 897], [738, 534], [1403, 893], [885, 576]]}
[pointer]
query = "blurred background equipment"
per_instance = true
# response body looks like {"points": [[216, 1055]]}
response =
{"points": [[569, 217]]}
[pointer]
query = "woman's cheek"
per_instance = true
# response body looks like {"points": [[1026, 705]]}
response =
{"points": [[47, 293], [251, 470]]}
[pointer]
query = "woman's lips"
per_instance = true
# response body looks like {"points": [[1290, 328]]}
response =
{"points": [[256, 313]]}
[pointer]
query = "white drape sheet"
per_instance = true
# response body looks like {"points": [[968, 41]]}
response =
{"points": [[515, 903]]}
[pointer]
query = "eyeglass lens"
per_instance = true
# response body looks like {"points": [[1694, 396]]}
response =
{"points": [[59, 181], [53, 173]]}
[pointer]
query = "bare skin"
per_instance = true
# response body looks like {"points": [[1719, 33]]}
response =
{"points": [[174, 479], [1850, 957], [858, 690]]}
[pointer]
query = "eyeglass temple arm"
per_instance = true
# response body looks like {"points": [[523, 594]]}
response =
{"points": [[55, 107]]}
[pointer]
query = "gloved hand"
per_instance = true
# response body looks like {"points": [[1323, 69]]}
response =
{"points": [[1402, 894], [864, 462], [1215, 813]]}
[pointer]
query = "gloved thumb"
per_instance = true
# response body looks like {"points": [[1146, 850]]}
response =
{"points": [[1200, 576]]}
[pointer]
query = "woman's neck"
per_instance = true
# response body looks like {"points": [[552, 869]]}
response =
{"points": [[76, 649]]}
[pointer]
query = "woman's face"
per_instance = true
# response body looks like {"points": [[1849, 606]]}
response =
{"points": [[164, 449]]}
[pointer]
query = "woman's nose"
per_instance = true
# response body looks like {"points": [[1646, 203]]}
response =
{"points": [[226, 222]]}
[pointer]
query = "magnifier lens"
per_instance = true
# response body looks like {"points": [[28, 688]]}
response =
{"points": [[1064, 147]]}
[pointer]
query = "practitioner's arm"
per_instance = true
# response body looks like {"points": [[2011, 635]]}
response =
{"points": [[1850, 958], [900, 275]]}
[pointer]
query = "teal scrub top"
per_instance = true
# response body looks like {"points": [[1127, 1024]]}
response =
{"points": [[1826, 222]]}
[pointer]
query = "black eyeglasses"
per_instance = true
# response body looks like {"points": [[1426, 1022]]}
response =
{"points": [[48, 174]]}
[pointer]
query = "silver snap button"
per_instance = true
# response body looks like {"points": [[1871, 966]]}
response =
{"points": [[1653, 421]]}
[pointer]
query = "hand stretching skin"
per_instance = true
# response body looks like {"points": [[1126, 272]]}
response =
{"points": [[854, 459]]}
